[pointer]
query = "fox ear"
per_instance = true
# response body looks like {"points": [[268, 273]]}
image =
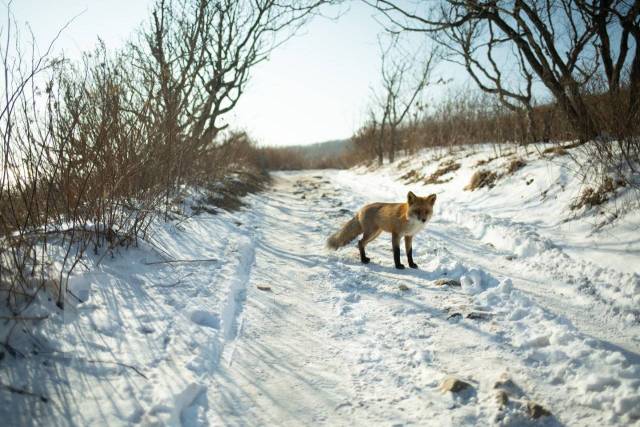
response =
{"points": [[431, 199], [411, 197]]}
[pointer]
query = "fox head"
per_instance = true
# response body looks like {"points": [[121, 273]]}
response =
{"points": [[420, 208]]}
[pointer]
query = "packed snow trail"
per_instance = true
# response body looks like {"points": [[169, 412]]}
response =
{"points": [[339, 343]]}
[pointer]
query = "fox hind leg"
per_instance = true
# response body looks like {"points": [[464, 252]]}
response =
{"points": [[367, 237]]}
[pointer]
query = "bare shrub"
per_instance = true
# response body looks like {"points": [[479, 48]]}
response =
{"points": [[36, 215], [93, 152]]}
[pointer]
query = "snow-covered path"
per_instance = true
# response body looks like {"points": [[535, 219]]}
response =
{"points": [[282, 369], [274, 329]]}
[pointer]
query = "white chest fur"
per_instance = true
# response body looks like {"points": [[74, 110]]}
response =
{"points": [[413, 226]]}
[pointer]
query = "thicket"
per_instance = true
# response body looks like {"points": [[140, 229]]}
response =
{"points": [[582, 56], [466, 116], [94, 150]]}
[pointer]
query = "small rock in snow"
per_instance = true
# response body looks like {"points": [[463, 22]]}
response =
{"points": [[536, 410], [507, 385], [479, 315], [343, 405], [403, 288], [447, 282], [502, 398], [454, 316], [264, 288], [454, 385]]}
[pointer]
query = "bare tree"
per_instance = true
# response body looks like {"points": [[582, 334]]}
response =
{"points": [[199, 53], [479, 56], [193, 61], [404, 76], [378, 118]]}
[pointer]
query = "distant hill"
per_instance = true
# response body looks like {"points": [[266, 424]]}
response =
{"points": [[322, 150], [321, 155]]}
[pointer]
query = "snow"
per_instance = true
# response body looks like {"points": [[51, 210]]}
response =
{"points": [[547, 310]]}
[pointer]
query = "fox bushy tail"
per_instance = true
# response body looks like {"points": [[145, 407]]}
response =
{"points": [[347, 233]]}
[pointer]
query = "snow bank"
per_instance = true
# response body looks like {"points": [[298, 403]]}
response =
{"points": [[142, 334], [527, 219], [590, 374]]}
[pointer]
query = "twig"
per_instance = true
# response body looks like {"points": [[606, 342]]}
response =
{"points": [[12, 351], [16, 390], [112, 246], [75, 296], [64, 357], [181, 260], [119, 364], [23, 317], [173, 284]]}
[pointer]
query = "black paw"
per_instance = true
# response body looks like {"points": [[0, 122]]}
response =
{"points": [[365, 260], [413, 265], [400, 266]]}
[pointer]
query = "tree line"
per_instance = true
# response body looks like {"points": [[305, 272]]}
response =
{"points": [[553, 68]]}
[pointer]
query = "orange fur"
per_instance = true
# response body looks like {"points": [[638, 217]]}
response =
{"points": [[399, 219]]}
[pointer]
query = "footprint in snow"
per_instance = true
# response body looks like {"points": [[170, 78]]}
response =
{"points": [[205, 318], [144, 329]]}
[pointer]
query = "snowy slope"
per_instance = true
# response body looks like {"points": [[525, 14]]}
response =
{"points": [[145, 333], [271, 328]]}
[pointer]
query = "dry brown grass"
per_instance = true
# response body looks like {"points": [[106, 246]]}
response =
{"points": [[228, 193], [561, 150], [443, 169], [591, 197], [480, 179], [412, 177], [515, 164], [555, 151], [483, 162]]}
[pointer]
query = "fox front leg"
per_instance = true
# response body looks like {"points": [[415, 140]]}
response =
{"points": [[408, 240], [395, 242]]}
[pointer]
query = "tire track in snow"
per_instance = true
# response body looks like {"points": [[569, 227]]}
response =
{"points": [[231, 312]]}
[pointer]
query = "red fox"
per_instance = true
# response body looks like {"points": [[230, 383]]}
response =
{"points": [[399, 219]]}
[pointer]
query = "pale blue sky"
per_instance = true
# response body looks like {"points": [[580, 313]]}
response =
{"points": [[314, 88]]}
